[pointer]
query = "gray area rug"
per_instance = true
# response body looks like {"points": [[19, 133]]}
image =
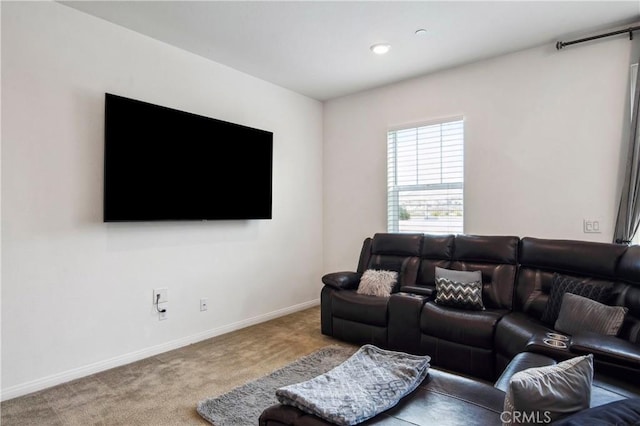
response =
{"points": [[243, 405]]}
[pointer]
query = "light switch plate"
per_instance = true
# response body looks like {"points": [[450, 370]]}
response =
{"points": [[591, 226]]}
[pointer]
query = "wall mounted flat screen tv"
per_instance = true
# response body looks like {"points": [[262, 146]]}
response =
{"points": [[161, 164]]}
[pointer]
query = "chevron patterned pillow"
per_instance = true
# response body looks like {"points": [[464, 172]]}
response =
{"points": [[459, 295]]}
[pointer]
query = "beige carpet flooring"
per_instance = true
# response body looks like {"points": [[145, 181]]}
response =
{"points": [[164, 389]]}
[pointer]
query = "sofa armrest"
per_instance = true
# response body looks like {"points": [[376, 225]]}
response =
{"points": [[609, 349], [345, 280], [419, 290], [541, 344], [403, 330]]}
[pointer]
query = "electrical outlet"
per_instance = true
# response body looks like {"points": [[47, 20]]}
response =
{"points": [[161, 302], [163, 311], [164, 295], [204, 304]]}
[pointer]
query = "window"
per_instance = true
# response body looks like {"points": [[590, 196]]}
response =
{"points": [[425, 169]]}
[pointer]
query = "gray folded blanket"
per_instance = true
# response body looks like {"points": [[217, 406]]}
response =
{"points": [[371, 381]]}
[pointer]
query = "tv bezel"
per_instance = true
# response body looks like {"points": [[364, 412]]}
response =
{"points": [[110, 218]]}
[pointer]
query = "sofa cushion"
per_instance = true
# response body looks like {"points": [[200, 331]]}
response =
{"points": [[377, 283], [458, 294], [360, 308], [459, 276], [396, 244], [550, 392], [579, 314], [571, 256], [565, 284], [436, 252], [389, 251], [607, 388], [471, 328], [514, 331]]}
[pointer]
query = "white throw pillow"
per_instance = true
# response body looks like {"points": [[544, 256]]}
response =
{"points": [[545, 394], [377, 283]]}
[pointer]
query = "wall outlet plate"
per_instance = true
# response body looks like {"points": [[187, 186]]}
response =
{"points": [[163, 315], [164, 295]]}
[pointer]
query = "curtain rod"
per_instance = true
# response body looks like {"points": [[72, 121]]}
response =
{"points": [[630, 30]]}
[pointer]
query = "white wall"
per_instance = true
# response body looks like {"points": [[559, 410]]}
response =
{"points": [[76, 293], [543, 137]]}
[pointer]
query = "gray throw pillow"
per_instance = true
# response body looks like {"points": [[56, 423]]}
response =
{"points": [[459, 276], [580, 314], [377, 283], [459, 295], [561, 284], [548, 393]]}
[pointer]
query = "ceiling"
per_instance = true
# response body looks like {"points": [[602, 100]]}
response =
{"points": [[321, 49]]}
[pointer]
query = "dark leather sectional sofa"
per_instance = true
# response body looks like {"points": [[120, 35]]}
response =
{"points": [[491, 344]]}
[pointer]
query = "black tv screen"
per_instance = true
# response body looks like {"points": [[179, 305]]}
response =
{"points": [[161, 164]]}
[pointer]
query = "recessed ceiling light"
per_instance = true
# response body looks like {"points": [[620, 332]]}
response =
{"points": [[421, 32], [380, 48]]}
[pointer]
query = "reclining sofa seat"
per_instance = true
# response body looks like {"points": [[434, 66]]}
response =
{"points": [[405, 306], [628, 294], [597, 264], [445, 397], [359, 318], [517, 284], [456, 339], [463, 340], [436, 251]]}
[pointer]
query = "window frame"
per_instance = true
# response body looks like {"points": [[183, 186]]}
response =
{"points": [[393, 191]]}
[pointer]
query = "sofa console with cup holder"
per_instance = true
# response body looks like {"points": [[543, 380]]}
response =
{"points": [[521, 284], [486, 306]]}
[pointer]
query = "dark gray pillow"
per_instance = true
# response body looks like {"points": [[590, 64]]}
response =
{"points": [[624, 412], [580, 314], [459, 295], [459, 276], [549, 393]]}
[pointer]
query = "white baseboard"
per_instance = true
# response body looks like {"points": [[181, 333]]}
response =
{"points": [[76, 373]]}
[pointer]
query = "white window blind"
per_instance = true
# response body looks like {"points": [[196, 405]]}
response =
{"points": [[426, 178]]}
